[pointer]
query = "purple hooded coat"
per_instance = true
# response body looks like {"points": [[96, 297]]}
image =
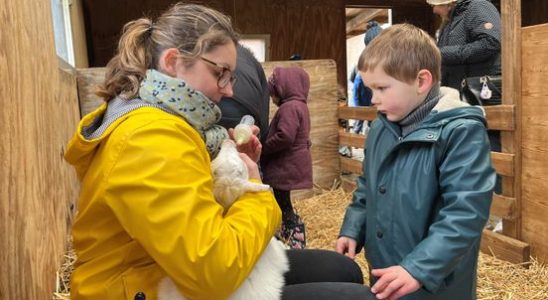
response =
{"points": [[286, 160]]}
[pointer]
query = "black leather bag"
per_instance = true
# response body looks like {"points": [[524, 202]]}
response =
{"points": [[482, 90]]}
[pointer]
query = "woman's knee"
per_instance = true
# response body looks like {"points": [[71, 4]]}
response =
{"points": [[315, 265]]}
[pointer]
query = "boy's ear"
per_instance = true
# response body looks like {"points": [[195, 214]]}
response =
{"points": [[424, 81], [168, 61]]}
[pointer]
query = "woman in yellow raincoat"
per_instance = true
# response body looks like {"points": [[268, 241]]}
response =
{"points": [[146, 209]]}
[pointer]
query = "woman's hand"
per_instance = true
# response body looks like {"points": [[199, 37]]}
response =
{"points": [[253, 147], [252, 168]]}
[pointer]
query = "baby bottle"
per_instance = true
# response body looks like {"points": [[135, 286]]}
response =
{"points": [[242, 132]]}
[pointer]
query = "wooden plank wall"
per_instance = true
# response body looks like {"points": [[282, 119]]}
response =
{"points": [[37, 188], [534, 146], [314, 29], [534, 12]]}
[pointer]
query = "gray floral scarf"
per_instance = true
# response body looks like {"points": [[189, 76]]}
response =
{"points": [[180, 98]]}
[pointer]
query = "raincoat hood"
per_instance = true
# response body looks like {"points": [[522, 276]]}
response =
{"points": [[97, 127], [450, 107], [289, 84], [461, 6], [82, 147]]}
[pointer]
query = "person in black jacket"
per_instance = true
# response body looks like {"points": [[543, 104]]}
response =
{"points": [[251, 95], [470, 44], [469, 39]]}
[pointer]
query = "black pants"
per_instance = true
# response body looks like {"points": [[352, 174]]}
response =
{"points": [[322, 275], [284, 202]]}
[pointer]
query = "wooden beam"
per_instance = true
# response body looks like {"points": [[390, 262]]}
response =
{"points": [[88, 78], [503, 163], [503, 207], [357, 113], [495, 244], [349, 165], [500, 117], [348, 183], [352, 12], [385, 3], [380, 19], [351, 139], [359, 21], [511, 95], [504, 247]]}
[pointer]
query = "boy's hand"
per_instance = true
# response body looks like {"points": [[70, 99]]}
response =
{"points": [[253, 147], [346, 246], [393, 282]]}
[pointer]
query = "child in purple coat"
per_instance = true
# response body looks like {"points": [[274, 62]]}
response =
{"points": [[286, 160]]}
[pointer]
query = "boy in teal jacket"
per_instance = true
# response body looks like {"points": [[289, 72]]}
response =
{"points": [[427, 182]]}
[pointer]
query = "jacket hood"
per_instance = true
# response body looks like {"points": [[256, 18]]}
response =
{"points": [[461, 6], [98, 126], [450, 107], [292, 83], [83, 145]]}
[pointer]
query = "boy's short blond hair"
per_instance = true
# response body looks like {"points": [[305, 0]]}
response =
{"points": [[402, 50]]}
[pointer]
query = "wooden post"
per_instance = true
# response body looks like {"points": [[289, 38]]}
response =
{"points": [[511, 95], [39, 114], [534, 207]]}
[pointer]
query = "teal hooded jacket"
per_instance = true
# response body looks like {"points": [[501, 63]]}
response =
{"points": [[424, 198]]}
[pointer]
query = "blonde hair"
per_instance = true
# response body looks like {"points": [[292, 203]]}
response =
{"points": [[191, 28], [402, 51]]}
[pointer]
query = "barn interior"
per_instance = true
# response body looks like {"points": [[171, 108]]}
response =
{"points": [[39, 189]]}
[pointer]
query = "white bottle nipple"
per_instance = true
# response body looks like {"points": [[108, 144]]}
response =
{"points": [[242, 132]]}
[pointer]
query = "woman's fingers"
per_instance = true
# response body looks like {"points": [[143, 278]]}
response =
{"points": [[253, 147]]}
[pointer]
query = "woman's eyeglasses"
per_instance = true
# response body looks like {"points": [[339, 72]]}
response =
{"points": [[225, 77]]}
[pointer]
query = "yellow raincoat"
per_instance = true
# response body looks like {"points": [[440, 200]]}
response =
{"points": [[146, 211]]}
